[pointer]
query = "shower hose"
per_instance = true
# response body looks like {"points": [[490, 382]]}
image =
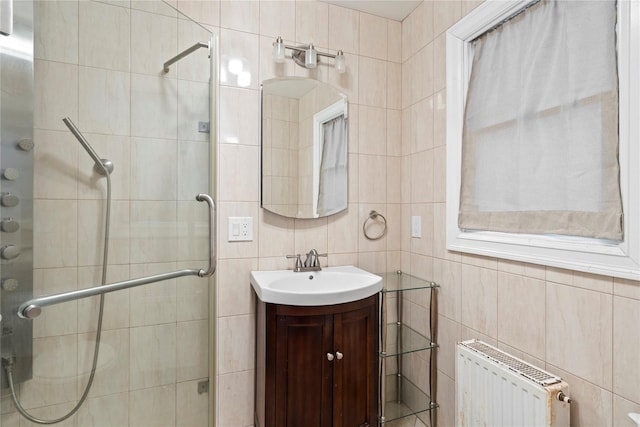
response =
{"points": [[96, 350]]}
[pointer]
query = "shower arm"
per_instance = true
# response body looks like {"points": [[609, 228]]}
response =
{"points": [[188, 51], [32, 308]]}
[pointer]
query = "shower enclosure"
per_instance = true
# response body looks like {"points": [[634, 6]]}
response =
{"points": [[137, 82]]}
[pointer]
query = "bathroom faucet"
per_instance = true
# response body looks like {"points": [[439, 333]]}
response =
{"points": [[312, 259], [311, 263]]}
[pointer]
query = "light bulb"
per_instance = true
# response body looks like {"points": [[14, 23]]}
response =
{"points": [[310, 57], [340, 62], [278, 50]]}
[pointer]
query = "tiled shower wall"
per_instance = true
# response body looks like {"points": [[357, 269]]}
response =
{"points": [[100, 63], [580, 326]]}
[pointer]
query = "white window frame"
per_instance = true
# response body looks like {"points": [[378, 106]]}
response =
{"points": [[617, 259]]}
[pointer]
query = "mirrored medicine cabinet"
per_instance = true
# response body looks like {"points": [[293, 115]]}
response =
{"points": [[304, 148]]}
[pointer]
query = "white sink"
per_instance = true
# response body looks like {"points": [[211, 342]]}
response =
{"points": [[331, 285]]}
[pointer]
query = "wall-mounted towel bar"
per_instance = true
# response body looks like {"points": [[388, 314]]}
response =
{"points": [[33, 307]]}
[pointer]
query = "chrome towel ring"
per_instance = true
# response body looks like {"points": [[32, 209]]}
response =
{"points": [[373, 216]]}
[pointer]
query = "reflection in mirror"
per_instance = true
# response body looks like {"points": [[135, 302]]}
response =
{"points": [[304, 148]]}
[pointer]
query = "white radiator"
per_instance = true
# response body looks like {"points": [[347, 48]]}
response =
{"points": [[495, 389]]}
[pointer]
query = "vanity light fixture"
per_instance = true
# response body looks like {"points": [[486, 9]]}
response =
{"points": [[306, 55]]}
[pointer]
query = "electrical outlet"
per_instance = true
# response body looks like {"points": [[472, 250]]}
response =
{"points": [[240, 229], [416, 226]]}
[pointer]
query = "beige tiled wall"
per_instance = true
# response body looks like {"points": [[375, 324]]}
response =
{"points": [[372, 84], [580, 326]]}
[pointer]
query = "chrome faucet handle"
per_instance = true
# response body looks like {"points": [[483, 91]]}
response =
{"points": [[298, 261], [320, 255]]}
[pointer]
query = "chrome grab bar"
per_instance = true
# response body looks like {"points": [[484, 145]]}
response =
{"points": [[32, 308], [188, 51]]}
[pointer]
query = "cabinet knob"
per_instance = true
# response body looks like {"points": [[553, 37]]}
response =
{"points": [[339, 355], [329, 357]]}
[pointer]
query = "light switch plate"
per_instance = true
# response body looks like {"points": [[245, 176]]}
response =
{"points": [[240, 229], [416, 226]]}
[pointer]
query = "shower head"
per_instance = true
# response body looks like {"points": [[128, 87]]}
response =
{"points": [[102, 166]]}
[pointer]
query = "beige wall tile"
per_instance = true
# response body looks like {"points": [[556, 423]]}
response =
{"points": [[579, 327], [236, 343], [57, 36], [55, 163], [205, 12], [621, 409], [626, 348], [192, 346], [105, 36], [394, 41], [236, 399], [372, 86], [312, 23], [154, 106], [445, 14], [161, 32], [192, 407], [235, 294], [373, 36], [278, 18], [152, 406], [521, 310], [344, 29], [55, 94], [152, 356], [373, 130], [372, 179], [153, 231], [240, 15], [448, 275], [342, 232], [154, 169], [110, 410], [479, 298], [55, 234], [239, 172]]}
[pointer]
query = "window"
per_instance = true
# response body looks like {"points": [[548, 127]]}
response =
{"points": [[600, 252]]}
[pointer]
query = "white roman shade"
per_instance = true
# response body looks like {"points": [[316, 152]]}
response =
{"points": [[540, 136]]}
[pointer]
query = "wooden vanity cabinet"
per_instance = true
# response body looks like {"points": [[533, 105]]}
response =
{"points": [[317, 366]]}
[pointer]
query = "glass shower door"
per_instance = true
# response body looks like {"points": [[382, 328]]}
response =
{"points": [[102, 65]]}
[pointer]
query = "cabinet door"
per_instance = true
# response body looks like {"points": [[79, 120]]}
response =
{"points": [[356, 367], [303, 376]]}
